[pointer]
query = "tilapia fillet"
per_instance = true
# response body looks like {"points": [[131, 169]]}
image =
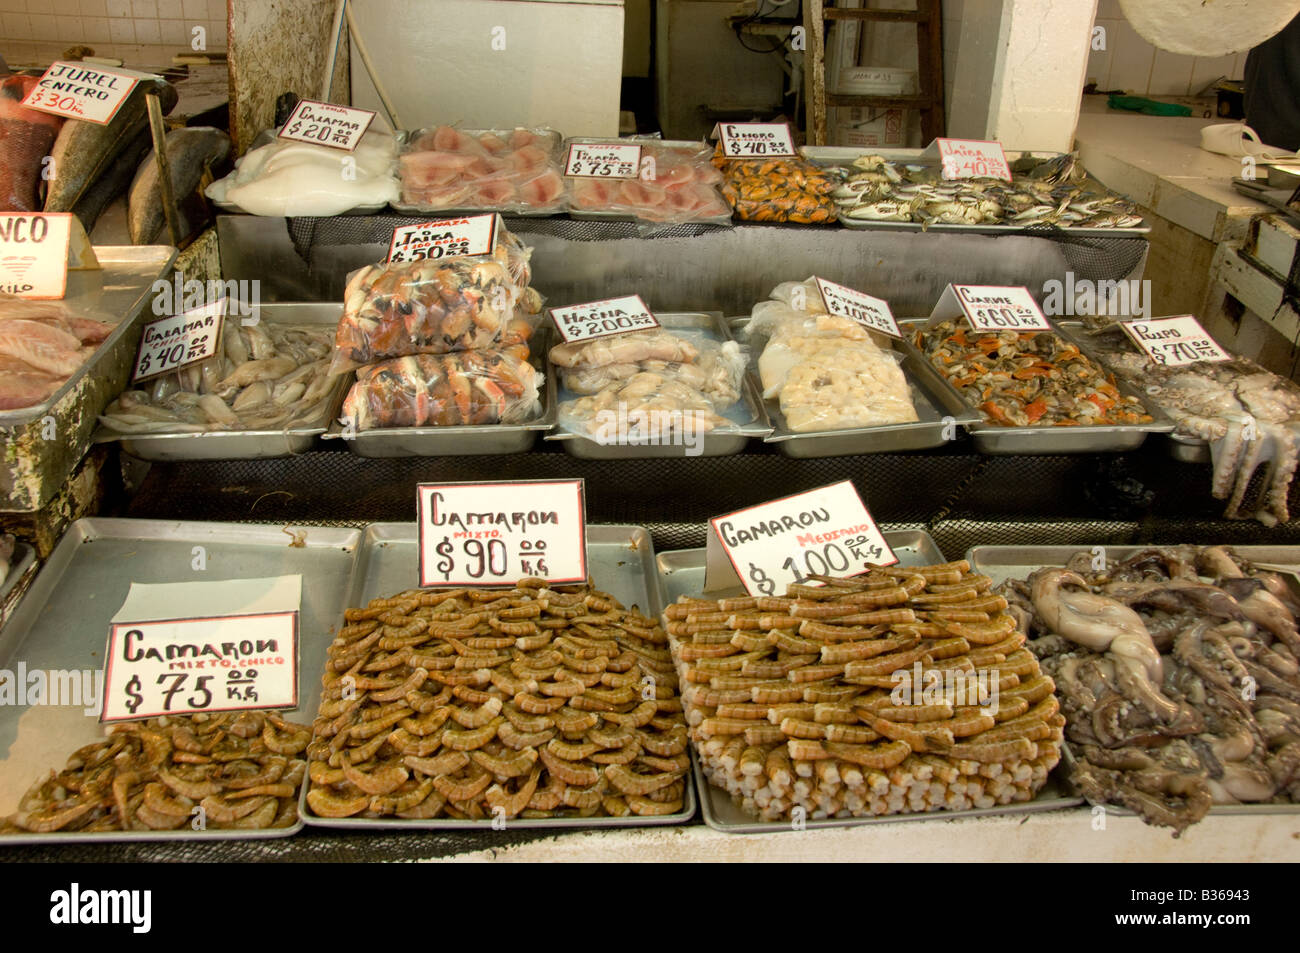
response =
{"points": [[42, 344]]}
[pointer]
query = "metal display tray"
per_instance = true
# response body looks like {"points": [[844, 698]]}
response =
{"points": [[517, 210], [1182, 447], [467, 440], [933, 429], [1001, 563], [682, 574], [1038, 439], [621, 561], [64, 625], [715, 443], [22, 570], [35, 467], [244, 444], [844, 156]]}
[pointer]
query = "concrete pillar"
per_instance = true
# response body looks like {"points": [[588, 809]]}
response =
{"points": [[1020, 71]]}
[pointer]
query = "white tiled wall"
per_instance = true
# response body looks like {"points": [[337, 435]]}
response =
{"points": [[1134, 65], [141, 32]]}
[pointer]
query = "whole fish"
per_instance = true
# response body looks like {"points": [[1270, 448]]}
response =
{"points": [[189, 151], [114, 182], [25, 139], [84, 151]]}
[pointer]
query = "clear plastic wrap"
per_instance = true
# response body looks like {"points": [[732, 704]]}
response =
{"points": [[445, 390], [826, 371], [436, 306], [716, 373], [630, 348], [283, 177], [515, 170], [678, 184], [644, 406]]}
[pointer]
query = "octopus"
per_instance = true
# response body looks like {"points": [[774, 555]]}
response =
{"points": [[1249, 416], [1028, 378], [1177, 673], [906, 689], [229, 770], [473, 704]]}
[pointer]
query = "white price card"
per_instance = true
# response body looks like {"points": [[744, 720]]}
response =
{"points": [[445, 238], [327, 124], [1175, 341], [599, 160], [826, 531], [494, 534], [596, 319], [973, 159], [81, 91], [991, 308], [752, 140], [176, 648], [169, 344], [34, 253], [872, 313]]}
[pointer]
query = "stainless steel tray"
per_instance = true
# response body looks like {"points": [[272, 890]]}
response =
{"points": [[748, 414], [682, 573], [1001, 563], [469, 440], [1037, 439], [63, 624], [844, 155], [928, 431], [621, 561], [1069, 761], [22, 570], [1184, 448], [34, 469], [515, 210], [244, 444]]}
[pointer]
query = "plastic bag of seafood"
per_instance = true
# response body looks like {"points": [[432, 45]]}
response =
{"points": [[647, 384], [827, 372], [515, 170], [434, 306], [677, 184], [445, 390]]}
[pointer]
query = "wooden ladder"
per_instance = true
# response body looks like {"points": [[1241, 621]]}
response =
{"points": [[929, 66]]}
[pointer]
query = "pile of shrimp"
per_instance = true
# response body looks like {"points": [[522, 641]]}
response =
{"points": [[475, 704], [203, 771], [804, 705]]}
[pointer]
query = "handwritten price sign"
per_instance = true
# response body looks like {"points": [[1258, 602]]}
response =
{"points": [[597, 319], [493, 534], [1174, 342], [997, 308], [326, 124], [77, 91], [973, 159], [171, 343], [827, 531], [34, 254], [189, 665], [445, 238], [872, 313], [603, 161], [755, 140]]}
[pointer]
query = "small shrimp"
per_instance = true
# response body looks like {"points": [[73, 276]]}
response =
{"points": [[383, 780]]}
